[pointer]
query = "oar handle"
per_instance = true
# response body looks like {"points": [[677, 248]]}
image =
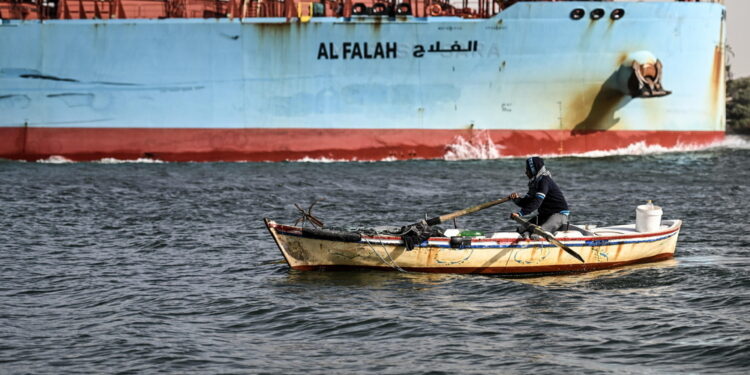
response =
{"points": [[465, 211]]}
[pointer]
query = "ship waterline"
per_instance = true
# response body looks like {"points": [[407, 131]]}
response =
{"points": [[175, 144]]}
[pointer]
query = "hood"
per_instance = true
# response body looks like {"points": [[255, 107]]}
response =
{"points": [[534, 165]]}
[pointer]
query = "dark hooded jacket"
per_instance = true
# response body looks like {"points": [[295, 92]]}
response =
{"points": [[543, 195]]}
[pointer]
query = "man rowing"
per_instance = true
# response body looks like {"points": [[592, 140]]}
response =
{"points": [[544, 203]]}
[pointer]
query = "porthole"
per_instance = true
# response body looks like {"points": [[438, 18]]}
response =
{"points": [[617, 14], [403, 9], [577, 13], [359, 9], [379, 9], [597, 13]]}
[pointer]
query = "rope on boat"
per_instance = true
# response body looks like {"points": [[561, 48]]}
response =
{"points": [[392, 262]]}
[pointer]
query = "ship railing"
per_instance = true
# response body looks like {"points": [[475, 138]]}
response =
{"points": [[113, 9], [290, 9]]}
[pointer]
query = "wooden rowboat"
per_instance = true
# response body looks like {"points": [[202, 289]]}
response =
{"points": [[503, 253]]}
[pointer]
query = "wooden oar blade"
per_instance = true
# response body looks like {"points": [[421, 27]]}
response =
{"points": [[549, 237], [566, 248]]}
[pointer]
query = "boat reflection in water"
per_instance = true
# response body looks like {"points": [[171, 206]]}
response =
{"points": [[420, 280], [608, 274]]}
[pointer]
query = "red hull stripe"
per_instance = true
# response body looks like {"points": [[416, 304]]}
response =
{"points": [[180, 144], [530, 270]]}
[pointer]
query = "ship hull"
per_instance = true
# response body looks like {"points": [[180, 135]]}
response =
{"points": [[528, 81]]}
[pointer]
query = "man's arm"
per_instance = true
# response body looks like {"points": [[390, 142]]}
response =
{"points": [[533, 199]]}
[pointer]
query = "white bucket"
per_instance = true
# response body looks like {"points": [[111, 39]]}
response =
{"points": [[647, 218]]}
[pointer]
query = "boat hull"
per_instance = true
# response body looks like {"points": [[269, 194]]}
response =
{"points": [[505, 256], [529, 80]]}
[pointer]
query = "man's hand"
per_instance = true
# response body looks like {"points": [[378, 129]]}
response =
{"points": [[514, 195], [514, 214]]}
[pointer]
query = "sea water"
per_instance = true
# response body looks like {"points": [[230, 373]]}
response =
{"points": [[143, 267]]}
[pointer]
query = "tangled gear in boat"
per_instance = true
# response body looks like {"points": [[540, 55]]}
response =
{"points": [[307, 216], [415, 234], [412, 235], [332, 235]]}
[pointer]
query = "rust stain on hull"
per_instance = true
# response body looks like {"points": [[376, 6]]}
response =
{"points": [[717, 81], [593, 110]]}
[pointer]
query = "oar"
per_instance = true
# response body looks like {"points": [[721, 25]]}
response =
{"points": [[465, 211], [548, 236]]}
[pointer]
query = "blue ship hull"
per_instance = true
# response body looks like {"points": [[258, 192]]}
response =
{"points": [[530, 79]]}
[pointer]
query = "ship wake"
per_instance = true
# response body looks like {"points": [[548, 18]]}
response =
{"points": [[481, 147], [731, 142]]}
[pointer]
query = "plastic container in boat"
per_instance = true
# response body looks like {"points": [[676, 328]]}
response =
{"points": [[647, 217], [471, 233]]}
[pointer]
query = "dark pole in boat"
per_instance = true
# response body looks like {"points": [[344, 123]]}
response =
{"points": [[465, 211], [547, 236]]}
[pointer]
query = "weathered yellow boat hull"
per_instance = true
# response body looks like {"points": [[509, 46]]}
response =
{"points": [[611, 247]]}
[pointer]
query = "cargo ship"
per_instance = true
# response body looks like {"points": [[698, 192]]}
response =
{"points": [[274, 80]]}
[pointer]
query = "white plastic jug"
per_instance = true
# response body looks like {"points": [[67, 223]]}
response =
{"points": [[647, 217]]}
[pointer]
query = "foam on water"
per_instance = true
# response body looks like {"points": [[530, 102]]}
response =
{"points": [[55, 159], [735, 142], [139, 160], [308, 159], [479, 147], [641, 148], [638, 148]]}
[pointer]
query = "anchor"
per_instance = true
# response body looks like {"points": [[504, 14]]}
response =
{"points": [[648, 76]]}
